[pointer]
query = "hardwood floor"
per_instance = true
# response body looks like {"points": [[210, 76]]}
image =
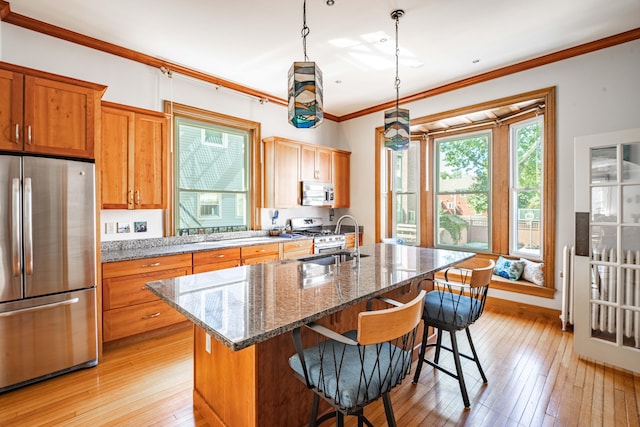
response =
{"points": [[535, 379]]}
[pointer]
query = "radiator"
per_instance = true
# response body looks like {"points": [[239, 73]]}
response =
{"points": [[604, 287]]}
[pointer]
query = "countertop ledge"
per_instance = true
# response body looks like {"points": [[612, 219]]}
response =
{"points": [[176, 246]]}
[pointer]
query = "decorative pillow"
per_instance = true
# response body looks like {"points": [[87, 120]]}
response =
{"points": [[509, 268], [533, 272]]}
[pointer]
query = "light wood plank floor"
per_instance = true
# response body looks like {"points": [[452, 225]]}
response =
{"points": [[535, 379]]}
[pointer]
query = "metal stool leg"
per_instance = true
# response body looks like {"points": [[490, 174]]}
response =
{"points": [[475, 355], [438, 346], [388, 409], [456, 358], [423, 349]]}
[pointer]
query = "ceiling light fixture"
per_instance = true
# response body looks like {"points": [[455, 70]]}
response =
{"points": [[396, 120], [305, 87]]}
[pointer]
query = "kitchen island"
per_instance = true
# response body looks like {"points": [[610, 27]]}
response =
{"points": [[242, 318]]}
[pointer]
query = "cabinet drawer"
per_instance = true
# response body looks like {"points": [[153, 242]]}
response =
{"points": [[298, 245], [260, 250], [127, 290], [297, 254], [216, 256], [144, 265], [260, 259], [126, 321], [216, 266]]}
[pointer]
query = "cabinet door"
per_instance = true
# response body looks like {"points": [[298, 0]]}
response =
{"points": [[149, 157], [11, 110], [117, 137], [341, 179], [281, 173], [315, 163], [59, 118]]}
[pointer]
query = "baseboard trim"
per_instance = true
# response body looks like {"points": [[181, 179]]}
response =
{"points": [[522, 309]]}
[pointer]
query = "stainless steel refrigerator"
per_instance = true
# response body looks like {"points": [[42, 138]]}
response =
{"points": [[47, 268]]}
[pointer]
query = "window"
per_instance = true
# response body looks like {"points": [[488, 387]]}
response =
{"points": [[404, 194], [483, 181], [526, 142], [214, 177], [462, 192]]}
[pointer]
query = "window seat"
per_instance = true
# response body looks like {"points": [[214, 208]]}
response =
{"points": [[497, 282]]}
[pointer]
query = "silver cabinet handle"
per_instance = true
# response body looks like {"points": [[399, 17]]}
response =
{"points": [[17, 133], [28, 229], [151, 316], [15, 226], [153, 264], [218, 256], [29, 134], [40, 307]]}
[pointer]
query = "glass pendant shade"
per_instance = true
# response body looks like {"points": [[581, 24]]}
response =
{"points": [[305, 95], [396, 128]]}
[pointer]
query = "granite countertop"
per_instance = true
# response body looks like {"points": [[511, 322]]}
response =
{"points": [[174, 246], [245, 305]]}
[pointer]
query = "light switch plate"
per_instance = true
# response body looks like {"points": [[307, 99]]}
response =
{"points": [[109, 228]]}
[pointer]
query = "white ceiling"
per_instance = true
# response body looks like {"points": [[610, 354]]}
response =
{"points": [[253, 43]]}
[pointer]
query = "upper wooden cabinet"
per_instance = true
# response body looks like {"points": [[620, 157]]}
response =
{"points": [[341, 178], [48, 114], [286, 163], [133, 158], [281, 170], [315, 163]]}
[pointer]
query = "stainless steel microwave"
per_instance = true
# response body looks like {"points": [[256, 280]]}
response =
{"points": [[317, 193]]}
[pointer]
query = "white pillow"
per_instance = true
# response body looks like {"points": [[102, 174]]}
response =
{"points": [[533, 272]]}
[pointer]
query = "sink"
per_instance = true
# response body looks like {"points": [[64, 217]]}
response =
{"points": [[330, 258]]}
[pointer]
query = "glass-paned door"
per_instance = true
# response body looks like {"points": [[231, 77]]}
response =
{"points": [[607, 269]]}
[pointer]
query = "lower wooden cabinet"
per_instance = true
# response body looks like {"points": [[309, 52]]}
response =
{"points": [[216, 259], [297, 248], [260, 253], [128, 308]]}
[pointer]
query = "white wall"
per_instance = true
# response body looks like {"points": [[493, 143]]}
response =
{"points": [[596, 92]]}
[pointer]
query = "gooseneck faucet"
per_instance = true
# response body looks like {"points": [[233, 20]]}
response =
{"points": [[356, 252]]}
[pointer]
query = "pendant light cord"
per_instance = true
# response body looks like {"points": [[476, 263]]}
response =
{"points": [[305, 30], [397, 82]]}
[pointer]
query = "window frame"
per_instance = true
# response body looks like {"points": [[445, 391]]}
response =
{"points": [[173, 109], [500, 158]]}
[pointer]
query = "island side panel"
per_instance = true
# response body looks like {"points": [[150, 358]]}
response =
{"points": [[224, 383]]}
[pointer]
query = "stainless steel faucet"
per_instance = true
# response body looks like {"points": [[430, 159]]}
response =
{"points": [[356, 251]]}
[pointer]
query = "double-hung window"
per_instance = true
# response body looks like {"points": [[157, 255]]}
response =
{"points": [[213, 178]]}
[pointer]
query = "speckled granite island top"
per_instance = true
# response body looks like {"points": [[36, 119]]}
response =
{"points": [[245, 305]]}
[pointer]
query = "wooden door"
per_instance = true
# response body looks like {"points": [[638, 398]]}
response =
{"points": [[307, 163], [323, 164], [117, 137], [59, 118], [11, 127], [341, 179], [149, 162], [281, 173], [607, 262]]}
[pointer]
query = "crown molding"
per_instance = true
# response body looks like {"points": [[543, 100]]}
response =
{"points": [[51, 30]]}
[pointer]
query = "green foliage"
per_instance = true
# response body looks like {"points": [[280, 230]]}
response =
{"points": [[529, 164], [453, 224]]}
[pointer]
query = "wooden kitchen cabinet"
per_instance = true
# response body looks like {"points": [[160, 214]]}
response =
{"points": [[257, 254], [48, 114], [315, 163], [134, 172], [281, 171], [341, 178], [128, 308], [216, 259], [297, 248]]}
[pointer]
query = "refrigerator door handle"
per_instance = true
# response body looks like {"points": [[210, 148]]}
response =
{"points": [[40, 307], [28, 227], [15, 226]]}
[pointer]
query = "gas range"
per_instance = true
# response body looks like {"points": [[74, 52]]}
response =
{"points": [[324, 239]]}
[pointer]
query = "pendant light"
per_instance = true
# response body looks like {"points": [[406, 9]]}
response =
{"points": [[305, 87], [396, 120]]}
